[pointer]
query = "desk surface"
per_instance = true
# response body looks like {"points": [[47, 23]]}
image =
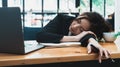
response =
{"points": [[54, 55]]}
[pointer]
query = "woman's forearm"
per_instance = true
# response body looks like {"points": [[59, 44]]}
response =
{"points": [[76, 37]]}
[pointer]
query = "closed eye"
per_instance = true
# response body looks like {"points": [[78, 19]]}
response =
{"points": [[82, 29]]}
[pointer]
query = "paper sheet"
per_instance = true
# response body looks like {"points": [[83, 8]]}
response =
{"points": [[63, 44]]}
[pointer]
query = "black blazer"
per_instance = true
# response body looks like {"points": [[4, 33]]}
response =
{"points": [[55, 29]]}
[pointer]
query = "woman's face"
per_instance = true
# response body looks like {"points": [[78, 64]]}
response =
{"points": [[79, 25]]}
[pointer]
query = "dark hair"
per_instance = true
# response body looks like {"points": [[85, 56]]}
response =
{"points": [[98, 24]]}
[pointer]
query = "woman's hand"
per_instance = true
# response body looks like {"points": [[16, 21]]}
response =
{"points": [[94, 46]]}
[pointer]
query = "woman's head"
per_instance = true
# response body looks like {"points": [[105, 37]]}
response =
{"points": [[79, 25], [90, 21]]}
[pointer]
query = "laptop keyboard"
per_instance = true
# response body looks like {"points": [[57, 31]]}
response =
{"points": [[32, 45], [29, 45]]}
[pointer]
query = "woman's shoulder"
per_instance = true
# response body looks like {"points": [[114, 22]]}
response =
{"points": [[66, 16]]}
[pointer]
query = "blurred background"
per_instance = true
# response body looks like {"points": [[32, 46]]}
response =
{"points": [[37, 13]]}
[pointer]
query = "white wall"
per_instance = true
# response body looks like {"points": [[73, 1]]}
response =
{"points": [[117, 15]]}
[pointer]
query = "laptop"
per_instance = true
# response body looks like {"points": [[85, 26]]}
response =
{"points": [[11, 33]]}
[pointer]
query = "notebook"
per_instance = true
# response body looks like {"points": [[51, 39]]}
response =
{"points": [[11, 33]]}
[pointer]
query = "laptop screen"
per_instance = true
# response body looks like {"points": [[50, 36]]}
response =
{"points": [[11, 30]]}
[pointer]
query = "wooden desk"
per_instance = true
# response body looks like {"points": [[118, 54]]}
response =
{"points": [[54, 55]]}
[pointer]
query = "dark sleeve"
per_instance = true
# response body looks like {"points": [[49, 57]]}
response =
{"points": [[84, 40], [46, 37], [53, 32]]}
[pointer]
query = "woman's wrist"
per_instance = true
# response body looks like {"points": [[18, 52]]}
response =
{"points": [[94, 42]]}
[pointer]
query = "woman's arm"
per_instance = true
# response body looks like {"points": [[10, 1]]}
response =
{"points": [[52, 37], [76, 37]]}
